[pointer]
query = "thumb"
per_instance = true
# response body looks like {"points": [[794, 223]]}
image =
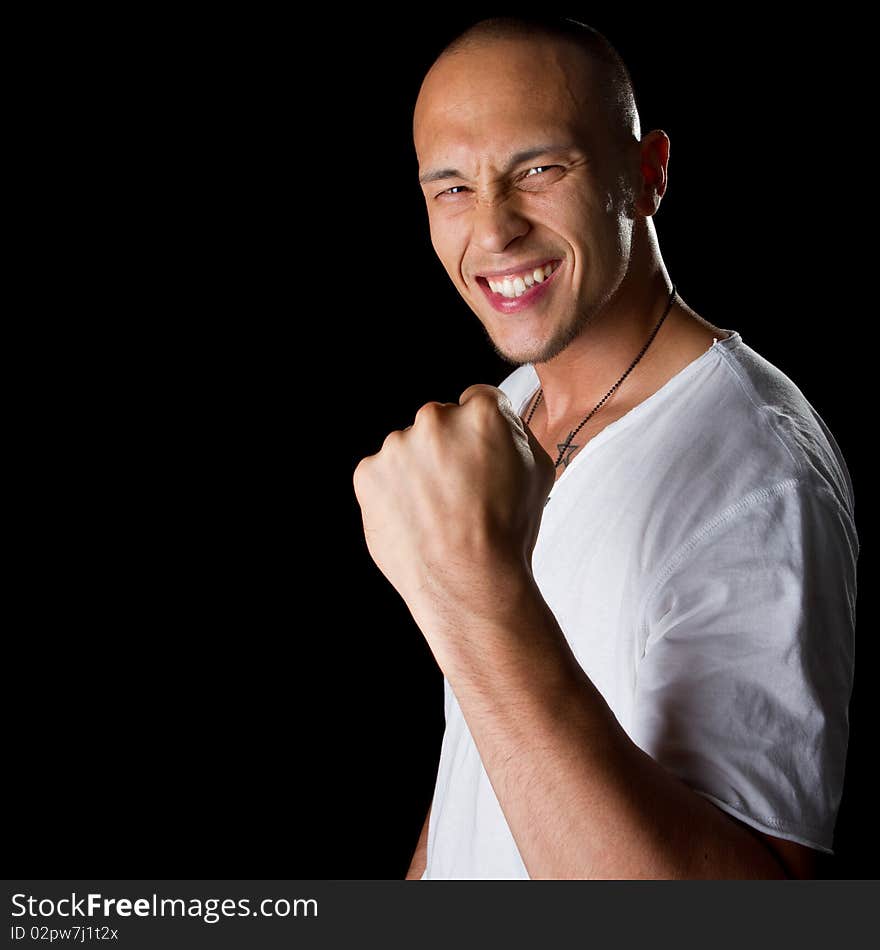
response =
{"points": [[497, 395], [494, 393], [482, 389], [542, 459]]}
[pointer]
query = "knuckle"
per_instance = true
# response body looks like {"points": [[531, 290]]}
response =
{"points": [[486, 402], [484, 408], [430, 410], [391, 439], [360, 471]]}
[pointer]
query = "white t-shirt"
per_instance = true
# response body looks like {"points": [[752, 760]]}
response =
{"points": [[699, 554]]}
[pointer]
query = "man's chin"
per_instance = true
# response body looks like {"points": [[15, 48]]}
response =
{"points": [[539, 351]]}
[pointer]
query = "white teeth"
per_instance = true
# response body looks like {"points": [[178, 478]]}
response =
{"points": [[516, 285]]}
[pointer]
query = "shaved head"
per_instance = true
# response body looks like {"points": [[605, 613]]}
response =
{"points": [[611, 85]]}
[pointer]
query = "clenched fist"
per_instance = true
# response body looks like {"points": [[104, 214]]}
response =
{"points": [[452, 504]]}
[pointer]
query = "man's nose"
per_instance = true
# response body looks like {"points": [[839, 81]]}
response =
{"points": [[496, 223]]}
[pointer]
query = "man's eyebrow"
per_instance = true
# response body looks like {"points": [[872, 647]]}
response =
{"points": [[438, 174]]}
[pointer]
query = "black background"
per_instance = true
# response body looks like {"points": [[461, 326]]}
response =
{"points": [[207, 675]]}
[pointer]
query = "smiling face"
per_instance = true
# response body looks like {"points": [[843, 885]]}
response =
{"points": [[529, 200]]}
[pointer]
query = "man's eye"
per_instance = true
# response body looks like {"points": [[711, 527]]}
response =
{"points": [[548, 175], [450, 191]]}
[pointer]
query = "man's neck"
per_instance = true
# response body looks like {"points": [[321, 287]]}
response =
{"points": [[579, 377]]}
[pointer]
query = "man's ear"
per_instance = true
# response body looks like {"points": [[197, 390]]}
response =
{"points": [[653, 161]]}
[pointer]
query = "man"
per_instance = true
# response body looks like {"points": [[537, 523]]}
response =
{"points": [[634, 560]]}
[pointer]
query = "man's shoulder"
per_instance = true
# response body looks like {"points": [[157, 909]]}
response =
{"points": [[768, 415], [729, 432]]}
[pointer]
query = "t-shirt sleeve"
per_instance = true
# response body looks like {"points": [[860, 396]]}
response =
{"points": [[743, 687]]}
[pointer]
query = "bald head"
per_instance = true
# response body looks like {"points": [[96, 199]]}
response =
{"points": [[610, 84]]}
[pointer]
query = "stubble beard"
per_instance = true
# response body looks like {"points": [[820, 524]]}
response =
{"points": [[546, 351]]}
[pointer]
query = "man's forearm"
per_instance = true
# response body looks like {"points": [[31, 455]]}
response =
{"points": [[581, 799], [420, 855]]}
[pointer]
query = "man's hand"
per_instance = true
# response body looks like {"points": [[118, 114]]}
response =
{"points": [[452, 504]]}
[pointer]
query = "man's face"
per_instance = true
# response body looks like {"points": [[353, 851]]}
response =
{"points": [[527, 178]]}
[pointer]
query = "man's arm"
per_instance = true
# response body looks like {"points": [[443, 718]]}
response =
{"points": [[420, 856], [451, 508], [581, 799]]}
